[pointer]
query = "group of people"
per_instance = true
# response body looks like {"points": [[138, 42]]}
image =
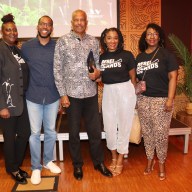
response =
{"points": [[46, 75]]}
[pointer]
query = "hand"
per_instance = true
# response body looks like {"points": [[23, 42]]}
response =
{"points": [[168, 105], [96, 74], [98, 80], [140, 87], [4, 113], [65, 101]]}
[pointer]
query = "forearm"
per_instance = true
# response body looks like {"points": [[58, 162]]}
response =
{"points": [[132, 74], [172, 85], [58, 71]]}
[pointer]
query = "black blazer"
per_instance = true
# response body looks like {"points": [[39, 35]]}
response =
{"points": [[11, 82]]}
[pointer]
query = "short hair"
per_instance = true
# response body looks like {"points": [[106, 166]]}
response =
{"points": [[79, 11], [47, 17], [142, 42], [120, 37]]}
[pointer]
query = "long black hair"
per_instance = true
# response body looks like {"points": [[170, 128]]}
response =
{"points": [[120, 37], [142, 42]]}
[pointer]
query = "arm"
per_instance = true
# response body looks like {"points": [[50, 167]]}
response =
{"points": [[132, 74], [58, 74], [171, 90], [4, 112]]}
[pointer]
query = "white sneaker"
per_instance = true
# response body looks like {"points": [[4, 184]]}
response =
{"points": [[36, 177], [52, 167]]}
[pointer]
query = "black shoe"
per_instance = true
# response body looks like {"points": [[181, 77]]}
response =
{"points": [[78, 173], [104, 171], [23, 173], [19, 179]]}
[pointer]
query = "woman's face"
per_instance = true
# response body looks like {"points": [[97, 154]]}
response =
{"points": [[112, 40], [9, 33], [152, 37]]}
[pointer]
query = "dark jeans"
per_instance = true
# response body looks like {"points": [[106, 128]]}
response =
{"points": [[88, 109], [16, 132]]}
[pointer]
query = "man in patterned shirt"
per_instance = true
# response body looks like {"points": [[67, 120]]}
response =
{"points": [[78, 90]]}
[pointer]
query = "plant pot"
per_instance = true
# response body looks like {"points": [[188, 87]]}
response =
{"points": [[188, 108]]}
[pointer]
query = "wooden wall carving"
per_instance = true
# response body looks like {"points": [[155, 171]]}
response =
{"points": [[134, 16]]}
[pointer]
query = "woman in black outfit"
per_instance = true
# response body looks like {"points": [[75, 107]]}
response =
{"points": [[13, 111], [158, 68]]}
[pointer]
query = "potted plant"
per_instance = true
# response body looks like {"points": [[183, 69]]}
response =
{"points": [[184, 54]]}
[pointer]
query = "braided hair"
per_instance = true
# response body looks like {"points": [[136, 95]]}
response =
{"points": [[120, 37]]}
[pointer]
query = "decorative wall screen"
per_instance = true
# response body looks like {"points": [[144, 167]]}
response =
{"points": [[134, 16]]}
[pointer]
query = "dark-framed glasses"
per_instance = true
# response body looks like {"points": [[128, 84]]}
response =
{"points": [[155, 35]]}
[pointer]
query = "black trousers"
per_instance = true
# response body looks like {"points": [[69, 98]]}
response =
{"points": [[16, 132], [88, 109]]}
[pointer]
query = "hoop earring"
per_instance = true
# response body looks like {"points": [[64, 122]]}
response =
{"points": [[162, 45]]}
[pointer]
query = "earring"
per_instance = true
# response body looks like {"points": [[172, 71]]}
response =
{"points": [[161, 43]]}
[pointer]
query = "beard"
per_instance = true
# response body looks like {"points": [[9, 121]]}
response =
{"points": [[48, 35]]}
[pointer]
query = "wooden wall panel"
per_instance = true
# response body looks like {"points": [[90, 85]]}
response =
{"points": [[134, 16]]}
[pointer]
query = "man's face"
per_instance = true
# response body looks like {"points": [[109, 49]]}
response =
{"points": [[45, 27], [79, 23]]}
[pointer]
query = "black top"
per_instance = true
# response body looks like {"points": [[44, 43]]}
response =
{"points": [[116, 65], [13, 84], [157, 70], [22, 66]]}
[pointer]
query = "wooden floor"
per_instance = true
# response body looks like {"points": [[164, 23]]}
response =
{"points": [[179, 172]]}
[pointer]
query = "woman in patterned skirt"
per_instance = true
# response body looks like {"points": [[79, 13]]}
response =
{"points": [[155, 105]]}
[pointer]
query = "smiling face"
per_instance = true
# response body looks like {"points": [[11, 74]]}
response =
{"points": [[79, 22], [152, 38], [45, 27], [9, 33], [111, 40]]}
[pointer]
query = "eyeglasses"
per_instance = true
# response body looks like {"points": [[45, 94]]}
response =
{"points": [[155, 35], [46, 24]]}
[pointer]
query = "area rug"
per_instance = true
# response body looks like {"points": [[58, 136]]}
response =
{"points": [[47, 184]]}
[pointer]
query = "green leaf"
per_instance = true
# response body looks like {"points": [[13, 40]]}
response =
{"points": [[184, 54]]}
